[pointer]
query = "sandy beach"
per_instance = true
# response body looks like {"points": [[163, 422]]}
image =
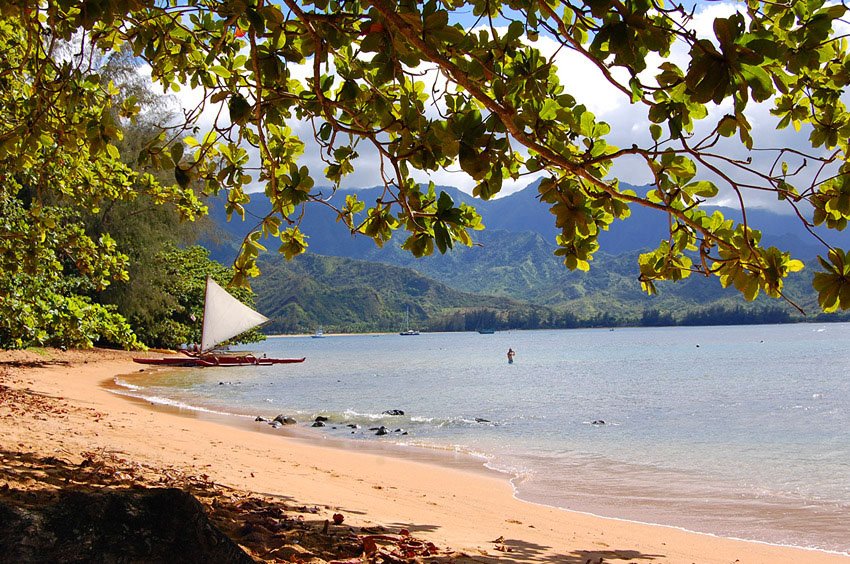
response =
{"points": [[54, 406]]}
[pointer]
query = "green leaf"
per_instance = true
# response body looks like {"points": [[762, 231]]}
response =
{"points": [[759, 81], [292, 243], [549, 111], [727, 126], [442, 237], [702, 188], [655, 131], [182, 177], [220, 71], [240, 109], [472, 162], [257, 20], [444, 203], [177, 152]]}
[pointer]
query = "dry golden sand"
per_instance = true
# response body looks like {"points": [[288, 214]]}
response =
{"points": [[53, 408]]}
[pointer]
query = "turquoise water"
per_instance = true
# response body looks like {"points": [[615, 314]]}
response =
{"points": [[736, 431]]}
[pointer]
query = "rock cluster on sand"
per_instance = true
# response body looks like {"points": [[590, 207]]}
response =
{"points": [[321, 421]]}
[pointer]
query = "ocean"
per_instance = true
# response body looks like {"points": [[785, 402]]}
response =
{"points": [[741, 431]]}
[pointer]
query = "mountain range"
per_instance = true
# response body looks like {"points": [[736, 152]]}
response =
{"points": [[510, 270]]}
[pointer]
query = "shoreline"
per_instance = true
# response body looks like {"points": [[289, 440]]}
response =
{"points": [[426, 454], [429, 454], [448, 506], [311, 335]]}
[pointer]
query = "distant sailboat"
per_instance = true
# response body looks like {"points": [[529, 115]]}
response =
{"points": [[224, 318], [319, 334], [408, 331]]}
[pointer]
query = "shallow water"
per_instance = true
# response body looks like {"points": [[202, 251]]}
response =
{"points": [[737, 431]]}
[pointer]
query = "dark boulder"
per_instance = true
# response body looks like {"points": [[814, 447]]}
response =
{"points": [[260, 418], [154, 525], [381, 431], [320, 419], [393, 412], [285, 419], [597, 422], [317, 424]]}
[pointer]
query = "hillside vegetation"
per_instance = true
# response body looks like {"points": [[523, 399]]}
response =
{"points": [[509, 279], [348, 295]]}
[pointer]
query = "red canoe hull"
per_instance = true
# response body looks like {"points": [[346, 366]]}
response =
{"points": [[222, 360]]}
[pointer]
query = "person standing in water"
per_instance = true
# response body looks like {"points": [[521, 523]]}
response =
{"points": [[511, 355]]}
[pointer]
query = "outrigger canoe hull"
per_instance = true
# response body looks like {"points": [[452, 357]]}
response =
{"points": [[212, 360]]}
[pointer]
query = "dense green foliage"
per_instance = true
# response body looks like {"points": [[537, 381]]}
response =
{"points": [[174, 317], [46, 278], [88, 256], [60, 175], [38, 309], [428, 86]]}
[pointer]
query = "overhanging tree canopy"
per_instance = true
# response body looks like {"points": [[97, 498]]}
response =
{"points": [[430, 85]]}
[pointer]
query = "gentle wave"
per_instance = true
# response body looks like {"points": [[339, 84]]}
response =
{"points": [[127, 385], [137, 392], [353, 416]]}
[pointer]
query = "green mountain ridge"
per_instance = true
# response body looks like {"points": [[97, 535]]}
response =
{"points": [[350, 295], [509, 278]]}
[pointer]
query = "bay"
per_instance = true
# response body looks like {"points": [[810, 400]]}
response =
{"points": [[737, 431]]}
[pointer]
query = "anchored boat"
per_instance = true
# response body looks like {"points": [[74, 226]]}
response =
{"points": [[224, 318]]}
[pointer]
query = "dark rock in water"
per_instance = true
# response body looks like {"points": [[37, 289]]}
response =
{"points": [[398, 430], [153, 525], [381, 431], [276, 424], [597, 422], [393, 412], [285, 419], [317, 424], [321, 418], [375, 428], [260, 418], [353, 426], [479, 420], [405, 433]]}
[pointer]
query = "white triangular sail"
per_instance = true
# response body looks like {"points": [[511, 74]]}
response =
{"points": [[225, 316]]}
